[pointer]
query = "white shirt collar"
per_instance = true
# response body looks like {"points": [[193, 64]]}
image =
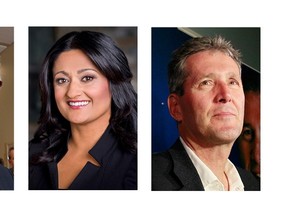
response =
{"points": [[209, 180]]}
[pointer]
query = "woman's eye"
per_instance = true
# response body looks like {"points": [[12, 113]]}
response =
{"points": [[61, 80], [87, 78]]}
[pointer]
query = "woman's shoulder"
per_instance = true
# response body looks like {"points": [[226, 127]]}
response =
{"points": [[38, 145]]}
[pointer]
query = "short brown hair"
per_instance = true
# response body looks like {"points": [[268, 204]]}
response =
{"points": [[176, 72]]}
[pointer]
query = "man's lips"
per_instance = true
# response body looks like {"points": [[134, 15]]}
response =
{"points": [[224, 112]]}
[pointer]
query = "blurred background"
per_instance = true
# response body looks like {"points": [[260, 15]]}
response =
{"points": [[42, 38]]}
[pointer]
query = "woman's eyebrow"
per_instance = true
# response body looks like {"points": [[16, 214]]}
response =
{"points": [[61, 72], [79, 71], [87, 69]]}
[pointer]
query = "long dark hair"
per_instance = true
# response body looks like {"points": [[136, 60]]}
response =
{"points": [[113, 64]]}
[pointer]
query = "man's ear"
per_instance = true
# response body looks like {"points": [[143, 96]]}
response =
{"points": [[174, 107]]}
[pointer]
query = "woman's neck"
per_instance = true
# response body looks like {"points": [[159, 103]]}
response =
{"points": [[86, 136]]}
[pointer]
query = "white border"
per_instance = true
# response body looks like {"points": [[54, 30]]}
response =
{"points": [[22, 14]]}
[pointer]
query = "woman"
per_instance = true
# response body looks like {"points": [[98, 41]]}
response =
{"points": [[87, 134]]}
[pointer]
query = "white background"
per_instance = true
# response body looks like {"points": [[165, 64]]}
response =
{"points": [[270, 17]]}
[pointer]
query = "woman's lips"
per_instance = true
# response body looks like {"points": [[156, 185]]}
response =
{"points": [[78, 104]]}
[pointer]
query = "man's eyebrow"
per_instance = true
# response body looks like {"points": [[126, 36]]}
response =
{"points": [[247, 125], [198, 77]]}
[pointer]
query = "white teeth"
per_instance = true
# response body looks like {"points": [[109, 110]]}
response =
{"points": [[80, 103]]}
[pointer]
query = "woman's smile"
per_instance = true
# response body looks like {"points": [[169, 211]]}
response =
{"points": [[78, 104]]}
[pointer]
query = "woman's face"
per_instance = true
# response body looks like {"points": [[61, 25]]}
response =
{"points": [[82, 93]]}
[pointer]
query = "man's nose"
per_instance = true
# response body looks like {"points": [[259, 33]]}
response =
{"points": [[255, 153], [223, 93]]}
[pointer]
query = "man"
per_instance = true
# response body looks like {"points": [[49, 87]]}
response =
{"points": [[207, 101], [11, 160], [6, 180], [249, 140]]}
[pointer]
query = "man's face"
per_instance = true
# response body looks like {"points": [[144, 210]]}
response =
{"points": [[211, 110], [249, 141], [11, 158]]}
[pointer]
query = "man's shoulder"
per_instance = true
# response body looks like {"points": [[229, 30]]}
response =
{"points": [[250, 181], [3, 169], [161, 160], [165, 159], [163, 177], [6, 179], [160, 155]]}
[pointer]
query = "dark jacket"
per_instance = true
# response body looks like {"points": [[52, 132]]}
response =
{"points": [[6, 179], [117, 171], [174, 170]]}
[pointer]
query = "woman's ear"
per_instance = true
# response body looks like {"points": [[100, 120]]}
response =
{"points": [[174, 107]]}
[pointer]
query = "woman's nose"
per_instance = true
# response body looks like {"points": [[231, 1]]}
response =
{"points": [[74, 89]]}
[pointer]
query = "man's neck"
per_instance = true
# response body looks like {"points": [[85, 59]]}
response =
{"points": [[214, 156]]}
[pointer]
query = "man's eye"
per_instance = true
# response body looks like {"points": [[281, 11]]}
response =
{"points": [[247, 134], [206, 82], [234, 82]]}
